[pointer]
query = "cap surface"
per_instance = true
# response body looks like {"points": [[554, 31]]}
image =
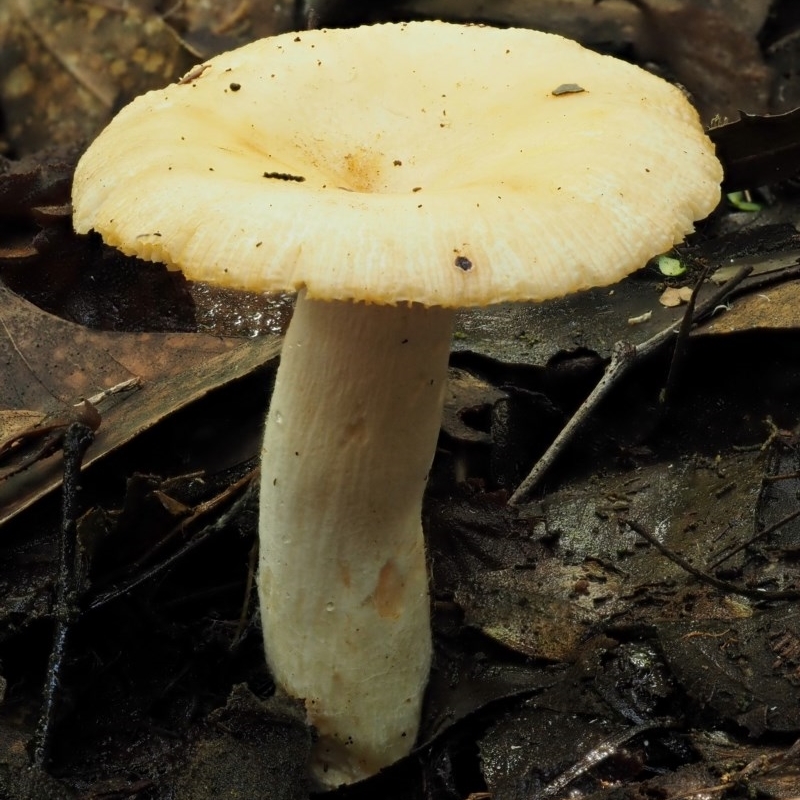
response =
{"points": [[444, 164]]}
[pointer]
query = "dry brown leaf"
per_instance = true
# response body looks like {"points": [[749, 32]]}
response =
{"points": [[673, 296], [48, 363], [538, 612], [67, 66], [14, 421], [209, 27], [710, 47], [776, 308]]}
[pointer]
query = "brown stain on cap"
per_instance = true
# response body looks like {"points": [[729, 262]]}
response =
{"points": [[362, 170]]}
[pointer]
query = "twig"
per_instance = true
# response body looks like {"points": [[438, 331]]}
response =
{"points": [[124, 386], [77, 439], [760, 535], [197, 514], [767, 279], [728, 288], [252, 564], [595, 756], [624, 355], [758, 767], [637, 527], [681, 343], [43, 439], [783, 476], [219, 525]]}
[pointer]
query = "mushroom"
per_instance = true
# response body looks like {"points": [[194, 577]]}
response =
{"points": [[389, 175]]}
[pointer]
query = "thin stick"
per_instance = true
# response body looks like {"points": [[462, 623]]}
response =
{"points": [[681, 348], [77, 439], [252, 568], [220, 525], [623, 356], [760, 535], [595, 756], [725, 586]]}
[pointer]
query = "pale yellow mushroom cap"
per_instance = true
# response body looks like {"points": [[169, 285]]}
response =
{"points": [[444, 164]]}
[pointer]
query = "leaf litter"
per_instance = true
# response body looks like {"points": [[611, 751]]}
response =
{"points": [[621, 632]]}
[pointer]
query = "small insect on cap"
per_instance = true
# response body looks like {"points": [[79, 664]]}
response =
{"points": [[444, 164]]}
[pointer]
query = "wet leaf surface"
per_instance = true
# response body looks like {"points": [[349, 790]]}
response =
{"points": [[50, 364], [743, 671], [249, 742]]}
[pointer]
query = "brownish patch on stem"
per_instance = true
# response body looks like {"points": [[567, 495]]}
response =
{"points": [[344, 574], [388, 594]]}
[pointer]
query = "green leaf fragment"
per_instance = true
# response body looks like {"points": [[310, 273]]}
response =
{"points": [[669, 266]]}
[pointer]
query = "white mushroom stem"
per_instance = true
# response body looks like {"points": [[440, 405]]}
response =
{"points": [[349, 441]]}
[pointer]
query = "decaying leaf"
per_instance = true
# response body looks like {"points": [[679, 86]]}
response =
{"points": [[468, 407], [584, 727], [784, 56], [209, 27], [706, 49], [67, 65], [248, 743], [776, 308], [49, 363], [13, 422], [28, 183], [26, 446], [675, 296], [758, 150], [747, 671], [543, 613]]}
